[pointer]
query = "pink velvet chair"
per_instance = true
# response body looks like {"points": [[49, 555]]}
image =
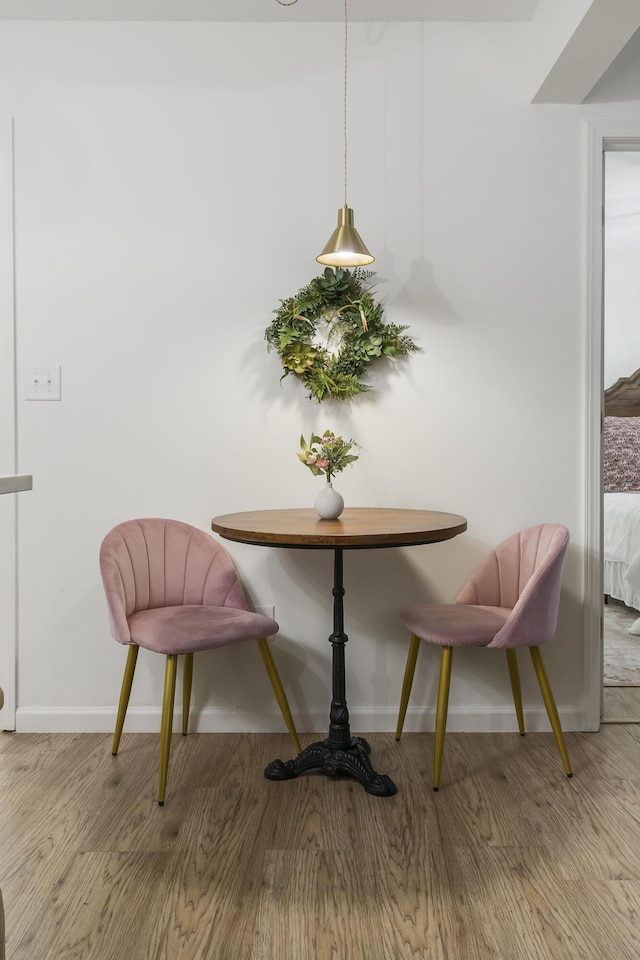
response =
{"points": [[172, 589], [510, 601]]}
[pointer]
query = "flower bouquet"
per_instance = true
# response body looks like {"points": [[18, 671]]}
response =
{"points": [[327, 455]]}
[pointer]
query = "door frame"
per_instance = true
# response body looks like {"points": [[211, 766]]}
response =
{"points": [[603, 135], [8, 449]]}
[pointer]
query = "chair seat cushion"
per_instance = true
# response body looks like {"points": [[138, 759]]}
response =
{"points": [[455, 624], [192, 627]]}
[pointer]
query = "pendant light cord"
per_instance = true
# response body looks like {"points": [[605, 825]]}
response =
{"points": [[346, 47]]}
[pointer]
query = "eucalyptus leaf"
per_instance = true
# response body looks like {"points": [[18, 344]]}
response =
{"points": [[338, 305]]}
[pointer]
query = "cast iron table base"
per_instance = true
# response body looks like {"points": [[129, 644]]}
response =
{"points": [[351, 761], [340, 753]]}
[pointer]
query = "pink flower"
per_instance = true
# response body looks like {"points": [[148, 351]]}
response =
{"points": [[322, 463], [311, 459]]}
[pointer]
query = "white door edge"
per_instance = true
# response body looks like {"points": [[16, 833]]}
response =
{"points": [[8, 502], [603, 135]]}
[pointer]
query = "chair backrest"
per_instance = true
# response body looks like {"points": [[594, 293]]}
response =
{"points": [[153, 562], [524, 575]]}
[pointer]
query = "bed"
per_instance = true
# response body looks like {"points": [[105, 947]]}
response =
{"points": [[621, 486]]}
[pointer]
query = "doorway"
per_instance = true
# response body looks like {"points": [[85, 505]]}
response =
{"points": [[621, 436]]}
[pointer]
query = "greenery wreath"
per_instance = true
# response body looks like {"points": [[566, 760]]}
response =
{"points": [[330, 331]]}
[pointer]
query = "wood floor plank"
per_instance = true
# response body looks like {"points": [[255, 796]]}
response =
{"points": [[509, 860], [621, 705], [101, 906], [530, 909], [286, 909], [310, 813], [207, 907], [420, 904]]}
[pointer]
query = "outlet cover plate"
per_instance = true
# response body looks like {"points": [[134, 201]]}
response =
{"points": [[42, 382]]}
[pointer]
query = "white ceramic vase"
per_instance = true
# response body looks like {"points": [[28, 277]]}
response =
{"points": [[329, 503]]}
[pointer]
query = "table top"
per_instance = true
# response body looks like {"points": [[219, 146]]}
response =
{"points": [[356, 528]]}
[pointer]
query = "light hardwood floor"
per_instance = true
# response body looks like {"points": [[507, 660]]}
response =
{"points": [[510, 860], [621, 705]]}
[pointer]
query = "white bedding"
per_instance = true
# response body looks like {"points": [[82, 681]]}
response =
{"points": [[621, 548]]}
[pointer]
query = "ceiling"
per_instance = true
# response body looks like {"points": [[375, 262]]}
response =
{"points": [[573, 43], [266, 10]]}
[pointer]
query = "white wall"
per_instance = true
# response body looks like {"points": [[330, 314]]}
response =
{"points": [[622, 265], [173, 183]]}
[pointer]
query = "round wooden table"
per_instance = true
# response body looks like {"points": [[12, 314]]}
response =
{"points": [[358, 528]]}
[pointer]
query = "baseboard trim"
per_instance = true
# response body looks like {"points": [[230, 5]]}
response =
{"points": [[212, 720]]}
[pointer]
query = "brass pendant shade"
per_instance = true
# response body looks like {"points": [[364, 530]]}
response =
{"points": [[345, 247]]}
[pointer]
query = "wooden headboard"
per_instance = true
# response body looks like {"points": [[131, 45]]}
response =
{"points": [[623, 398]]}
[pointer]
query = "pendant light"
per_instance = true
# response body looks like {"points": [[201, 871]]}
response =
{"points": [[345, 247]]}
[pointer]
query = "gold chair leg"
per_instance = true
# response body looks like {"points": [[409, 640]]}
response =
{"points": [[550, 704], [187, 678], [168, 701], [441, 712], [125, 693], [278, 689], [514, 676], [407, 683]]}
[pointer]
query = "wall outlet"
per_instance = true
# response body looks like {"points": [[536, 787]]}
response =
{"points": [[42, 382]]}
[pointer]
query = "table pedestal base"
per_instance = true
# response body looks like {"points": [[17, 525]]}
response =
{"points": [[333, 760], [340, 753]]}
